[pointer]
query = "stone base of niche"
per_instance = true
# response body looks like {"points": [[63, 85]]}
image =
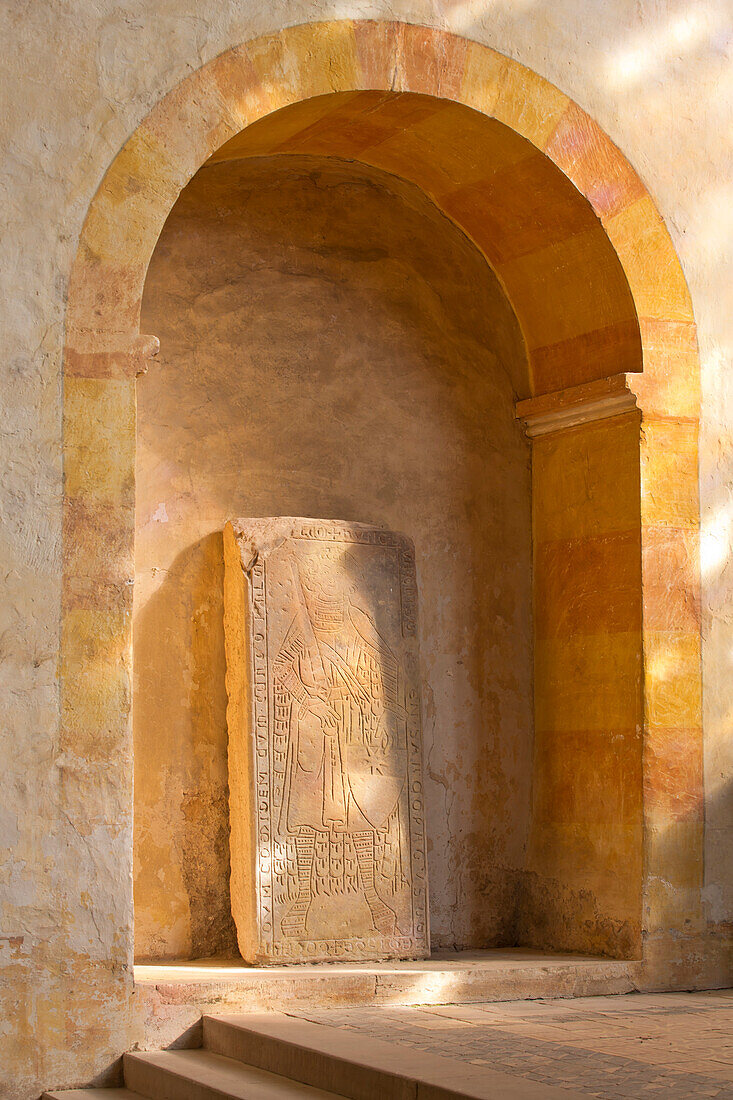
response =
{"points": [[173, 996]]}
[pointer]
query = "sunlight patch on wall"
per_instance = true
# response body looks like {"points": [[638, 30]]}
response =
{"points": [[653, 51]]}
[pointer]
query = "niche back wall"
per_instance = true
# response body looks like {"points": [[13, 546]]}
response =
{"points": [[331, 346]]}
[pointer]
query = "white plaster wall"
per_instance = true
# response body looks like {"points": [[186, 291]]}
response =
{"points": [[78, 76]]}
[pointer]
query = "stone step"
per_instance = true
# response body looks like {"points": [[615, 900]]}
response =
{"points": [[359, 1067], [92, 1094], [170, 994], [203, 1075]]}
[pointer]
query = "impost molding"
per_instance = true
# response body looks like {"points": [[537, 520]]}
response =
{"points": [[569, 408]]}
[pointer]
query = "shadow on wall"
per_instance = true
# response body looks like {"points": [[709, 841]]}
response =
{"points": [[181, 826], [181, 862]]}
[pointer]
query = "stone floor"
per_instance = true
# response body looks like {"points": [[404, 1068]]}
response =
{"points": [[670, 1045], [174, 995]]}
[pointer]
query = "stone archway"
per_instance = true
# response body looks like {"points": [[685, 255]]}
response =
{"points": [[658, 374]]}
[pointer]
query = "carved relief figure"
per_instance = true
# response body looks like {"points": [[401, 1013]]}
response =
{"points": [[327, 836], [339, 701]]}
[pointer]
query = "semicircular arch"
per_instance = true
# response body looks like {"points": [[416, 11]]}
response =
{"points": [[596, 284], [607, 298]]}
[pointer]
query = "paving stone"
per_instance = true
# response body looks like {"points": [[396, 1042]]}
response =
{"points": [[613, 1048]]}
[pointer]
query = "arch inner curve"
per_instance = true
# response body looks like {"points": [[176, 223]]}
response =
{"points": [[537, 231]]}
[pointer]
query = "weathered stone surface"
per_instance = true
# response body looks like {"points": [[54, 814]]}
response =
{"points": [[325, 741]]}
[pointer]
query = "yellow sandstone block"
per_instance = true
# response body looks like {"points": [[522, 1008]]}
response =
{"points": [[670, 491], [568, 288], [586, 480], [410, 156], [268, 56], [133, 201], [674, 853], [99, 431], [324, 55], [235, 83], [459, 140], [588, 682], [324, 742], [591, 778], [647, 254], [482, 76], [529, 104], [304, 61], [284, 131], [673, 775], [588, 585], [672, 679], [203, 112], [670, 384], [96, 656]]}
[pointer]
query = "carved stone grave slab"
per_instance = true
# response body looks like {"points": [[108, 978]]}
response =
{"points": [[325, 742]]}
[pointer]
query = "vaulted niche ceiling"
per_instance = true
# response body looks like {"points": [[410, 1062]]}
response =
{"points": [[540, 235]]}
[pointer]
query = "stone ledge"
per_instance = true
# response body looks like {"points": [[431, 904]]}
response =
{"points": [[172, 997], [577, 405]]}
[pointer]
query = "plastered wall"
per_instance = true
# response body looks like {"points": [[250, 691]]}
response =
{"points": [[78, 79], [331, 345]]}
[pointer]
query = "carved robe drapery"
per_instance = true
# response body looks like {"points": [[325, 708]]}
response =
{"points": [[350, 779]]}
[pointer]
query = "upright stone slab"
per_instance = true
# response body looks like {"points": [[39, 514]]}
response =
{"points": [[325, 742]]}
